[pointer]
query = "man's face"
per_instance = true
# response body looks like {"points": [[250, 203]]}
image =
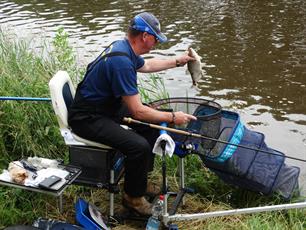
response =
{"points": [[149, 41]]}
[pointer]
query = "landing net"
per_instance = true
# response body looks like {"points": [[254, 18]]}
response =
{"points": [[251, 169]]}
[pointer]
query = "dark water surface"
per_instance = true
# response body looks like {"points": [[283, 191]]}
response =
{"points": [[254, 52]]}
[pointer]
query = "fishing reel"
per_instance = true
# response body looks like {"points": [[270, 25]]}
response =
{"points": [[184, 149]]}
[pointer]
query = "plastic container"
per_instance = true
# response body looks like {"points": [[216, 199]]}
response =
{"points": [[157, 210], [82, 215]]}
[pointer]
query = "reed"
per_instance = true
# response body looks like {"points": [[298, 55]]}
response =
{"points": [[30, 128], [26, 128], [151, 88]]}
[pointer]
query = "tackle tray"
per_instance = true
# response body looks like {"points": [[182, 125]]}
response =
{"points": [[74, 172], [84, 217]]}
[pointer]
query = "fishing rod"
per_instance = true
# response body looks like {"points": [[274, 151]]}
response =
{"points": [[24, 99], [190, 134]]}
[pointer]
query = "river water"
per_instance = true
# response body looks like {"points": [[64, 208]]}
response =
{"points": [[254, 52]]}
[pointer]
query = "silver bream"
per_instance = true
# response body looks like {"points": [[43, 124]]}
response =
{"points": [[195, 67]]}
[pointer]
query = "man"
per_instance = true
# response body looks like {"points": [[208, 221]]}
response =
{"points": [[109, 92]]}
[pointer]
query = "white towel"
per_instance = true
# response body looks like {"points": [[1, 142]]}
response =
{"points": [[170, 145]]}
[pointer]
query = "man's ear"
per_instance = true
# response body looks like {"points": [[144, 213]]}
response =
{"points": [[144, 35]]}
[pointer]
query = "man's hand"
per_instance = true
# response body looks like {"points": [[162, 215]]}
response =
{"points": [[182, 118], [183, 59]]}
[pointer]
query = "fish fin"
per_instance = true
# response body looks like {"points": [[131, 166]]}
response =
{"points": [[189, 51], [193, 81]]}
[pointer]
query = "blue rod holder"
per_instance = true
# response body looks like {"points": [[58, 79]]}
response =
{"points": [[164, 124]]}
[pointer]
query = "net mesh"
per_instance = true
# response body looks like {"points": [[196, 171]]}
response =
{"points": [[208, 121]]}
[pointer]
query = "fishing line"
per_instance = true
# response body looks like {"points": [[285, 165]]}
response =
{"points": [[190, 134]]}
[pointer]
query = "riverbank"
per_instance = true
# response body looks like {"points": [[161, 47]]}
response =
{"points": [[30, 128]]}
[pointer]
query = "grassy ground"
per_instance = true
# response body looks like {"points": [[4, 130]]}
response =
{"points": [[30, 128]]}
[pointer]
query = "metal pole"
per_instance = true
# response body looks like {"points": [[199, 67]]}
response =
{"points": [[182, 175], [60, 203], [181, 217], [111, 193]]}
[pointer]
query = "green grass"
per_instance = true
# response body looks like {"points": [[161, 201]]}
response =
{"points": [[30, 128]]}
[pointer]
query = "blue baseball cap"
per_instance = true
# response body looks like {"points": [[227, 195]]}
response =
{"points": [[147, 22]]}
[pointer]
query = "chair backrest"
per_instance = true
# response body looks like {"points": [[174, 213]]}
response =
{"points": [[62, 94]]}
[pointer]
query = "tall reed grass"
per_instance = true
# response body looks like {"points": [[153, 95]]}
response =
{"points": [[26, 128], [30, 128]]}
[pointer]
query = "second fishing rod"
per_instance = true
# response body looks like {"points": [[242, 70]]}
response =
{"points": [[196, 135]]}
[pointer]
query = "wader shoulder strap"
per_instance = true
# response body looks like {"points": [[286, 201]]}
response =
{"points": [[111, 54], [92, 106], [92, 64]]}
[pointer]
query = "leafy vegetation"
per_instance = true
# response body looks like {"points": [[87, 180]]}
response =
{"points": [[151, 88], [30, 128]]}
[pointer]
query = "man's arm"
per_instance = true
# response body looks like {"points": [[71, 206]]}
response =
{"points": [[156, 64], [145, 113]]}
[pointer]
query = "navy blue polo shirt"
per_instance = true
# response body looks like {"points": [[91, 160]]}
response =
{"points": [[113, 77]]}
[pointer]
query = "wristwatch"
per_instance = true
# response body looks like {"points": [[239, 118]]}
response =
{"points": [[177, 62], [173, 117]]}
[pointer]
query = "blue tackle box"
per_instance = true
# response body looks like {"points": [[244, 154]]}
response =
{"points": [[84, 217]]}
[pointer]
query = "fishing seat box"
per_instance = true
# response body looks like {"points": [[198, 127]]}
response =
{"points": [[96, 165]]}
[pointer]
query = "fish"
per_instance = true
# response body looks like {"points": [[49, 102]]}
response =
{"points": [[195, 66]]}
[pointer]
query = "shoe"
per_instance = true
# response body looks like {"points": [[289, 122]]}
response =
{"points": [[153, 190], [137, 204]]}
